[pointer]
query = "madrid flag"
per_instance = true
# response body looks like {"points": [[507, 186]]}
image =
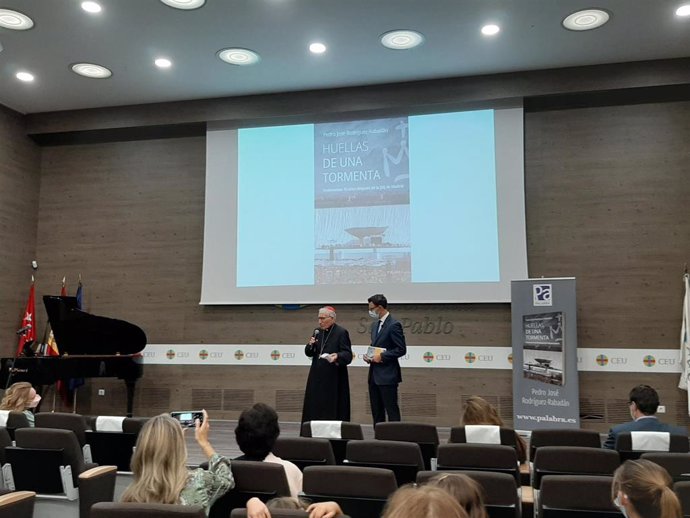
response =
{"points": [[28, 334]]}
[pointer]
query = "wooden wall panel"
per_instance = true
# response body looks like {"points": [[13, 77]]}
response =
{"points": [[606, 192], [19, 188]]}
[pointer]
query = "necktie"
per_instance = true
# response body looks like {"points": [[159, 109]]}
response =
{"points": [[378, 330]]}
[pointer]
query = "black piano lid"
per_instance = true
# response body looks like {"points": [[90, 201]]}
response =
{"points": [[79, 333]]}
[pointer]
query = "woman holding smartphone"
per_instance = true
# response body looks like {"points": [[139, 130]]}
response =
{"points": [[160, 469]]}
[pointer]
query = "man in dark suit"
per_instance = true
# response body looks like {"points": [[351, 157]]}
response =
{"points": [[643, 401], [384, 369]]}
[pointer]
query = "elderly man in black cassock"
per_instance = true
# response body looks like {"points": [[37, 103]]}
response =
{"points": [[327, 396]]}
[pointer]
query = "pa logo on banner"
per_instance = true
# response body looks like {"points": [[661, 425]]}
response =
{"points": [[542, 295]]}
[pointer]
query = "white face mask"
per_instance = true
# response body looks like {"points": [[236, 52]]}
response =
{"points": [[34, 402], [373, 314], [617, 503]]}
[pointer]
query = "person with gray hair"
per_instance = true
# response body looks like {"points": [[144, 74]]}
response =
{"points": [[327, 396]]}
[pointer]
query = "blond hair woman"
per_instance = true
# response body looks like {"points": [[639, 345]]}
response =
{"points": [[21, 397], [422, 502], [160, 469]]}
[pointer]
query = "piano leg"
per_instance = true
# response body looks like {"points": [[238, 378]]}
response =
{"points": [[130, 384]]}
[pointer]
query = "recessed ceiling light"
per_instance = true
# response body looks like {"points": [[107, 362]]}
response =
{"points": [[15, 20], [237, 56], [184, 4], [683, 10], [490, 30], [317, 48], [25, 76], [91, 70], [401, 39], [163, 63], [91, 7], [586, 19]]}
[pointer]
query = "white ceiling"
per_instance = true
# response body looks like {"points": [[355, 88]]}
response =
{"points": [[129, 34]]}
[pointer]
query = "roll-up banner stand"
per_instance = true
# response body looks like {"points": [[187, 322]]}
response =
{"points": [[544, 327]]}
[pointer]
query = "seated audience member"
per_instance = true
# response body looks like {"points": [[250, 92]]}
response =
{"points": [[160, 469], [256, 433], [21, 397], [477, 410], [257, 509], [643, 489], [422, 502], [467, 491], [643, 402]]}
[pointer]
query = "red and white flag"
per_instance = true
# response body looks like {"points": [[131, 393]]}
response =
{"points": [[28, 326]]}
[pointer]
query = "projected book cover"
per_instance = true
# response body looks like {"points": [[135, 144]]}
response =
{"points": [[362, 202], [543, 347]]}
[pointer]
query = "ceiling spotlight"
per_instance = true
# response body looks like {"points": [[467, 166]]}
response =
{"points": [[317, 48], [237, 56], [25, 76], [402, 39], [15, 20], [91, 7], [490, 30], [586, 20], [163, 63], [184, 4], [91, 70], [683, 10]]}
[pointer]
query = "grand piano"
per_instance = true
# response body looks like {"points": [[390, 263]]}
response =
{"points": [[90, 347]]}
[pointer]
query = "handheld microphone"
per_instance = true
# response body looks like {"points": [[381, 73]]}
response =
{"points": [[24, 329], [315, 335]]}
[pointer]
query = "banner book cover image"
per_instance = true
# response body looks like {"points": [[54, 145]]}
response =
{"points": [[543, 354], [362, 202]]}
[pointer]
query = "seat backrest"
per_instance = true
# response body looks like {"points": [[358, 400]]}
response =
{"points": [[114, 448], [46, 438], [565, 496], [573, 460], [304, 451], [131, 510], [264, 480], [403, 458], [36, 469], [506, 436], [624, 445], [96, 485], [677, 464], [134, 424], [563, 437], [424, 434], [64, 421], [479, 457], [18, 504], [348, 430], [15, 421], [5, 441], [682, 490], [360, 491], [349, 481]]}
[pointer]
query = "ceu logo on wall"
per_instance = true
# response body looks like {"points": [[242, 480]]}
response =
{"points": [[170, 354], [239, 354], [470, 357], [428, 357], [275, 355], [602, 360], [203, 354], [542, 295], [649, 361]]}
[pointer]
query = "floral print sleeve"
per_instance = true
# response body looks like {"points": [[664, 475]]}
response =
{"points": [[204, 487]]}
